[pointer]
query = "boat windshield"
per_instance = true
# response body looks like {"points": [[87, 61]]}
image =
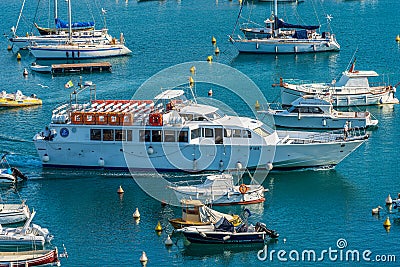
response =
{"points": [[215, 115], [262, 131]]}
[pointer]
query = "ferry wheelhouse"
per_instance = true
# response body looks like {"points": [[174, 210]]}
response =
{"points": [[167, 133]]}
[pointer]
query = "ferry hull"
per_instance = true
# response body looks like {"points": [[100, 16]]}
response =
{"points": [[135, 157]]}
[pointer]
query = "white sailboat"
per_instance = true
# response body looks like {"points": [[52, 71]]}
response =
{"points": [[75, 50], [278, 37], [60, 34]]}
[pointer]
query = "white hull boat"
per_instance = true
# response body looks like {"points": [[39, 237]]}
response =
{"points": [[299, 149], [82, 37], [29, 258], [352, 89], [279, 37], [13, 213], [30, 235], [110, 134], [316, 113], [78, 51], [219, 189], [287, 45], [40, 68], [8, 174]]}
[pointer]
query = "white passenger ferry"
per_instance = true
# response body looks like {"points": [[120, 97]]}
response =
{"points": [[173, 133]]}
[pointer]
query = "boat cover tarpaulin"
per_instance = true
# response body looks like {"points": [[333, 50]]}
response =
{"points": [[213, 216], [300, 34], [282, 24], [60, 24]]}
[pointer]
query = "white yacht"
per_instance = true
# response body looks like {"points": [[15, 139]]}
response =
{"points": [[280, 37], [352, 89], [173, 133], [313, 112]]}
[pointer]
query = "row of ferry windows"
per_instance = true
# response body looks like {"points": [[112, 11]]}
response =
{"points": [[209, 132], [164, 136]]}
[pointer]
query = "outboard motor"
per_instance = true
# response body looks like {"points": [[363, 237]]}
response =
{"points": [[261, 227]]}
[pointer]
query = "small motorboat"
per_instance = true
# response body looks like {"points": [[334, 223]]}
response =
{"points": [[14, 212], [223, 232], [29, 258], [17, 99], [219, 189], [29, 235], [40, 68], [8, 174], [195, 213], [315, 112]]}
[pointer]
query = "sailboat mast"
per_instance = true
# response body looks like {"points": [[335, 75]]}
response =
{"points": [[275, 16], [55, 9], [19, 17], [69, 22]]}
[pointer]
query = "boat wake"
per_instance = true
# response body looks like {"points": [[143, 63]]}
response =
{"points": [[13, 139]]}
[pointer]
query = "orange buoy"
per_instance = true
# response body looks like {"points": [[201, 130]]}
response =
{"points": [[120, 190], [216, 51]]}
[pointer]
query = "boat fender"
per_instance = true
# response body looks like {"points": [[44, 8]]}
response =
{"points": [[243, 189]]}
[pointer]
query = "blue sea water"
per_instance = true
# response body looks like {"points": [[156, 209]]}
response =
{"points": [[311, 209]]}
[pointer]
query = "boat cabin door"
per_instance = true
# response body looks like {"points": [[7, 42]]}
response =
{"points": [[219, 137]]}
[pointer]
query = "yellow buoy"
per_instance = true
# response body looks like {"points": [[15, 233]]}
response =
{"points": [[120, 190], [158, 227], [216, 51], [240, 2], [193, 70], [209, 58], [398, 38], [257, 105], [136, 214], [387, 223], [18, 56], [191, 81], [213, 40]]}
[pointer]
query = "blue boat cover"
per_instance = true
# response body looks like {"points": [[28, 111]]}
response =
{"points": [[281, 24], [300, 34], [60, 24], [224, 225]]}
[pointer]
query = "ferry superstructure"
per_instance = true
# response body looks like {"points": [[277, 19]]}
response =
{"points": [[171, 133], [144, 135]]}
